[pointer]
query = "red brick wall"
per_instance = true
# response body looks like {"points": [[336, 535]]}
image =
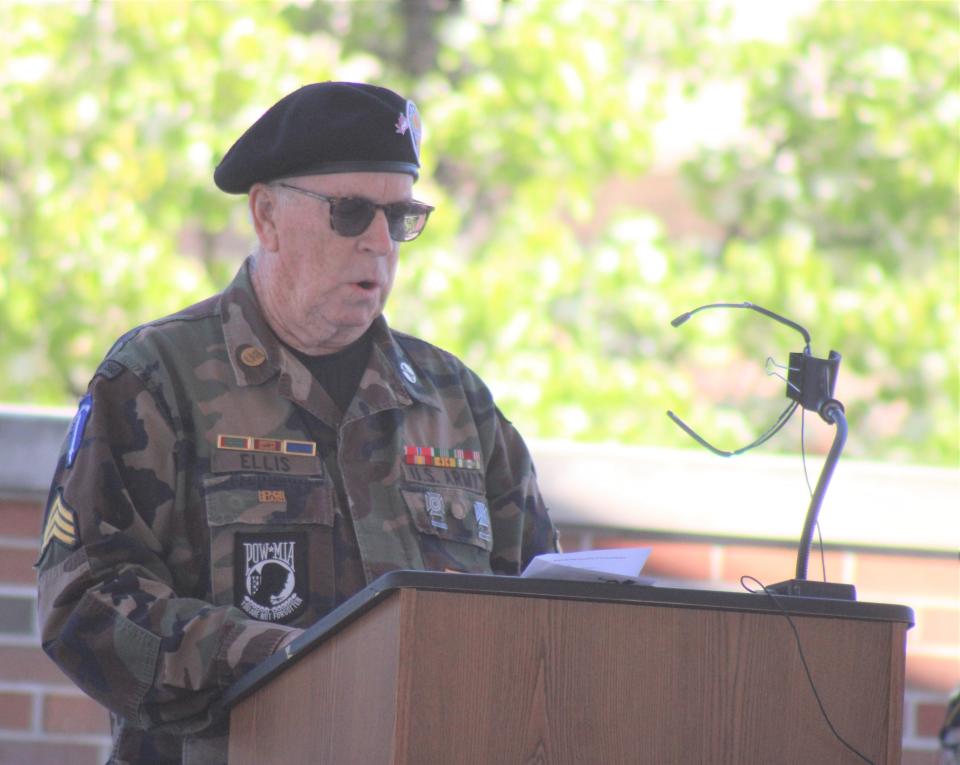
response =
{"points": [[44, 719]]}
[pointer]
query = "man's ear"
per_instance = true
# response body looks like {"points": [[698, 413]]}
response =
{"points": [[263, 210]]}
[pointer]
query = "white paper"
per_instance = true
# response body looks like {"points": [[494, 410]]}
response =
{"points": [[621, 565]]}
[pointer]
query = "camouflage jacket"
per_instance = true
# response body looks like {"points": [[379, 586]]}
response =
{"points": [[210, 499]]}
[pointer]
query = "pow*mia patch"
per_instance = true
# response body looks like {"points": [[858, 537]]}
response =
{"points": [[270, 575], [60, 526]]}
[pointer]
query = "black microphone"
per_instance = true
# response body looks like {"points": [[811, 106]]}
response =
{"points": [[753, 307], [784, 416]]}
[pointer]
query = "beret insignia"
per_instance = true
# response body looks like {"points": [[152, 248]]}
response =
{"points": [[416, 130]]}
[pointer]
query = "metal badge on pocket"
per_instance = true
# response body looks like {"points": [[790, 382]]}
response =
{"points": [[436, 510], [483, 521]]}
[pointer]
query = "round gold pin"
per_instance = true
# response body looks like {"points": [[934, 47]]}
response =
{"points": [[252, 356], [458, 511]]}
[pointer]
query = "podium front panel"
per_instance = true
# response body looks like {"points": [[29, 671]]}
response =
{"points": [[479, 675]]}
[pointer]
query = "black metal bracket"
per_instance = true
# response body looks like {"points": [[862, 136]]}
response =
{"points": [[810, 381]]}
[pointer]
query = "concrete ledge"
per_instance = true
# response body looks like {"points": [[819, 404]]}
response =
{"points": [[30, 440], [672, 491], [753, 496]]}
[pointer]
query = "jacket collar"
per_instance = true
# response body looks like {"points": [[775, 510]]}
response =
{"points": [[391, 380]]}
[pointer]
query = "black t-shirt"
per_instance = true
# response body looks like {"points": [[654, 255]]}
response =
{"points": [[339, 373]]}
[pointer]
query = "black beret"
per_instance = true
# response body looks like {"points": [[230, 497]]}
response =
{"points": [[327, 127]]}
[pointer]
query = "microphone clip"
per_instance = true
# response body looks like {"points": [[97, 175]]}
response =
{"points": [[811, 381]]}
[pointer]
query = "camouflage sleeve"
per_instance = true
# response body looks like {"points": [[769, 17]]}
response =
{"points": [[512, 491], [123, 568]]}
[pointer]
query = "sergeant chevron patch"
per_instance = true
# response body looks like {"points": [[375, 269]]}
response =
{"points": [[61, 525]]}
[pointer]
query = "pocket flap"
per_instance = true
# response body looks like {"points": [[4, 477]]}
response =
{"points": [[266, 498], [448, 513]]}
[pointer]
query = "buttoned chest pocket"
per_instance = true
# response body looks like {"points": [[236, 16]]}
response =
{"points": [[271, 545], [453, 526]]}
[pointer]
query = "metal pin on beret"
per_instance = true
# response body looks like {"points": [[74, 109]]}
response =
{"points": [[327, 127]]}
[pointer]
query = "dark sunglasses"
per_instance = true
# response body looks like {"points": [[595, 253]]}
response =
{"points": [[350, 216]]}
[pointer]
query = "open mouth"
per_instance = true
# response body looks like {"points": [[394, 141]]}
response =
{"points": [[366, 285]]}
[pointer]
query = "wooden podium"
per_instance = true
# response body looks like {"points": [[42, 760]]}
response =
{"points": [[454, 669]]}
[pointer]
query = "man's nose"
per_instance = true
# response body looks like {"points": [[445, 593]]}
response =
{"points": [[377, 236]]}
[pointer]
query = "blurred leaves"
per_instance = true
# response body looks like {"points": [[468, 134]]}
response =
{"points": [[836, 205]]}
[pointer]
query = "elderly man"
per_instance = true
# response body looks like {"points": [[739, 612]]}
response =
{"points": [[241, 467]]}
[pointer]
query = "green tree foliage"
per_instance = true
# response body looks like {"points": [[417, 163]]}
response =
{"points": [[837, 205], [851, 156]]}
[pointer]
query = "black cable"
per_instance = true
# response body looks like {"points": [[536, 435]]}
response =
{"points": [[784, 415], [753, 307], [806, 668], [823, 561], [774, 429]]}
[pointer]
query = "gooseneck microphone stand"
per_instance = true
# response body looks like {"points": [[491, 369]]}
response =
{"points": [[810, 384], [831, 412]]}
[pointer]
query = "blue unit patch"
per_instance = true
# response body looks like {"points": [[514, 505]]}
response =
{"points": [[75, 439]]}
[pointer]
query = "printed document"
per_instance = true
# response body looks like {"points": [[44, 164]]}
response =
{"points": [[621, 565]]}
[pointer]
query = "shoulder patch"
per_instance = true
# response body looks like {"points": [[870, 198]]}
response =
{"points": [[61, 525], [109, 369], [75, 437]]}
